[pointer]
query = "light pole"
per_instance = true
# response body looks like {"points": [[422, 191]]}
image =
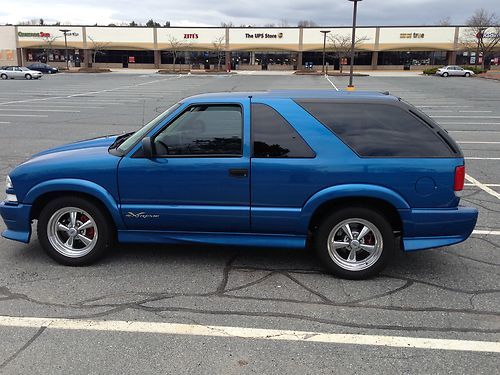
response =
{"points": [[65, 31], [353, 42], [324, 46]]}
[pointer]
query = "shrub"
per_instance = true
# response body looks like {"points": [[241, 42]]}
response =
{"points": [[475, 69], [430, 71]]}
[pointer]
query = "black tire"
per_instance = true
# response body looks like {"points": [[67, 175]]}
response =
{"points": [[4, 76], [49, 71], [467, 74], [104, 230], [28, 76], [378, 260], [445, 74]]}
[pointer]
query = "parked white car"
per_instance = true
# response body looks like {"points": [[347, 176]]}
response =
{"points": [[13, 72], [454, 70]]}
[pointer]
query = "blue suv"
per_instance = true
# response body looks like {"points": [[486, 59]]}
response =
{"points": [[353, 176]]}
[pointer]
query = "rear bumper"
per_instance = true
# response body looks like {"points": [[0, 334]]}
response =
{"points": [[17, 220], [428, 228]]}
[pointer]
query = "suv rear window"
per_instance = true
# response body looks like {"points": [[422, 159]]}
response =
{"points": [[380, 130]]}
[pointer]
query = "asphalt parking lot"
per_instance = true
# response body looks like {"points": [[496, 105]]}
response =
{"points": [[218, 295]]}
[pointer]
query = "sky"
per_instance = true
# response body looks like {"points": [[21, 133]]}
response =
{"points": [[254, 12]]}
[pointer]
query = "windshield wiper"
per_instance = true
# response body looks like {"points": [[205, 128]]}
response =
{"points": [[120, 139]]}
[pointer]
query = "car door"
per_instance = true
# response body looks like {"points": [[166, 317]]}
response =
{"points": [[17, 72], [198, 178], [284, 167]]}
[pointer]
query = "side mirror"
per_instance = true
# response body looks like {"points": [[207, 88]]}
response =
{"points": [[147, 147]]}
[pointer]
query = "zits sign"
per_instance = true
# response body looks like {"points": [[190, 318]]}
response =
{"points": [[190, 36], [41, 34]]}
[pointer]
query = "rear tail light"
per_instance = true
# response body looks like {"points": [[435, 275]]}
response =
{"points": [[459, 178]]}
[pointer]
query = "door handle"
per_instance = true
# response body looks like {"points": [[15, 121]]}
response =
{"points": [[243, 172]]}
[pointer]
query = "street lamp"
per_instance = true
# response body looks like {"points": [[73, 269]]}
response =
{"points": [[65, 31], [353, 42], [324, 46]]}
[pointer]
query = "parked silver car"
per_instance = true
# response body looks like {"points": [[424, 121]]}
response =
{"points": [[454, 70], [12, 72]]}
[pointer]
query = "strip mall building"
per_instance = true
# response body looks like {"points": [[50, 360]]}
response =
{"points": [[413, 47]]}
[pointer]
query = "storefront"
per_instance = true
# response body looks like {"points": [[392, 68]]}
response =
{"points": [[239, 48]]}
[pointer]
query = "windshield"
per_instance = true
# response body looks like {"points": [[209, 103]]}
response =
{"points": [[132, 140], [23, 68]]}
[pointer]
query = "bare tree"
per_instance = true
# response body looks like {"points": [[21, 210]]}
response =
{"points": [[48, 41], [219, 47], [306, 23], [446, 21], [227, 24], [283, 23], [34, 21], [341, 44], [96, 48], [483, 34], [175, 46]]}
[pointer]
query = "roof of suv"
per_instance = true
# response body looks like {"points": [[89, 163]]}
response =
{"points": [[301, 94]]}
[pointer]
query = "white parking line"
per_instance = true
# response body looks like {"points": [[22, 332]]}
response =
{"points": [[490, 185], [10, 115], [38, 110], [250, 333], [443, 106], [4, 122], [487, 232], [469, 123], [480, 142], [482, 186], [333, 84], [479, 158], [465, 116]]}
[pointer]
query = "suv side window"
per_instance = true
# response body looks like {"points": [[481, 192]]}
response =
{"points": [[203, 130], [379, 130], [274, 137]]}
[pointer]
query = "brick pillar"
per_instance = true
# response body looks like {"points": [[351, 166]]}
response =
{"points": [[157, 58], [451, 57], [227, 59], [374, 60], [299, 61]]}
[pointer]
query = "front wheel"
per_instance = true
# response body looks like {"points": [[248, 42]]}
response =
{"points": [[4, 76], [28, 76], [467, 74], [74, 231], [445, 74], [355, 243]]}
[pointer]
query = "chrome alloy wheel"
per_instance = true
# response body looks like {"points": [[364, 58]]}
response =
{"points": [[72, 232], [355, 244]]}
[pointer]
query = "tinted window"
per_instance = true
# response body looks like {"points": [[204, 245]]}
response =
{"points": [[274, 137], [379, 130], [203, 130]]}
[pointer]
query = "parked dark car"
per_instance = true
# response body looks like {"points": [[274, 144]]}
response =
{"points": [[355, 175], [44, 68]]}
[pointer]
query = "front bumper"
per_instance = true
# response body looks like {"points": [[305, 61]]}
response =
{"points": [[428, 228], [17, 220]]}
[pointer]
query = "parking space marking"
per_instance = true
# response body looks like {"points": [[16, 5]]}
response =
{"points": [[11, 115], [470, 123], [480, 142], [465, 116], [333, 84], [4, 122], [479, 158], [442, 106], [482, 186], [250, 333], [487, 232], [39, 110], [490, 185]]}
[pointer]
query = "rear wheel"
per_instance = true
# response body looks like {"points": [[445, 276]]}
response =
{"points": [[28, 76], [355, 243], [445, 74], [74, 231]]}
